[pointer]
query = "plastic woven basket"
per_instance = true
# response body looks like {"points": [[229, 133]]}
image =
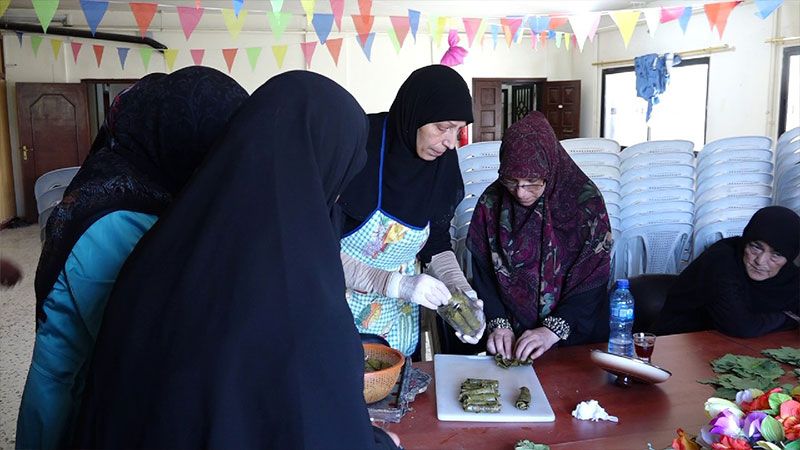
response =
{"points": [[378, 384]]}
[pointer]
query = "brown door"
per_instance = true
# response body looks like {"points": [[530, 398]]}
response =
{"points": [[53, 131], [561, 104], [487, 109]]}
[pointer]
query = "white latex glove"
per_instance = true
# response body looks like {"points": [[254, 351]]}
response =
{"points": [[422, 289]]}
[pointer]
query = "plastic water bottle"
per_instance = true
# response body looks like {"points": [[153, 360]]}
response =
{"points": [[620, 339]]}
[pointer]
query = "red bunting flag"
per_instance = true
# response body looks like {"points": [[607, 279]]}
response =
{"points": [[335, 48], [189, 18], [557, 21], [718, 13], [76, 48], [197, 55], [197, 4], [98, 53], [363, 26], [308, 51], [230, 55], [143, 13], [510, 27], [365, 7], [337, 8], [401, 26]]}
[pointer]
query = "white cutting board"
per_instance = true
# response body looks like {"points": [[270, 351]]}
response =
{"points": [[452, 370]]}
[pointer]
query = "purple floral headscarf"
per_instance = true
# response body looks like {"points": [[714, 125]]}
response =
{"points": [[554, 249]]}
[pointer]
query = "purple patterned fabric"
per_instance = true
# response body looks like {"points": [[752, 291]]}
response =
{"points": [[554, 249]]}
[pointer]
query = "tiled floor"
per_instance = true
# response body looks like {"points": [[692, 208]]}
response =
{"points": [[17, 305]]}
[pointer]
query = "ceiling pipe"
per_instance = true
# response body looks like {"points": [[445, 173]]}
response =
{"points": [[86, 34]]}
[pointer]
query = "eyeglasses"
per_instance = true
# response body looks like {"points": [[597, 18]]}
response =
{"points": [[533, 187]]}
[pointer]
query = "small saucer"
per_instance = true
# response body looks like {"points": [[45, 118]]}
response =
{"points": [[624, 366]]}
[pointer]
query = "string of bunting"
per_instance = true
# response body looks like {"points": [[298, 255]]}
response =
{"points": [[542, 28]]}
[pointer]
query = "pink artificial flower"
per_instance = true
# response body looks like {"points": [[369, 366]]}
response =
{"points": [[683, 442], [726, 423], [454, 55], [729, 443]]}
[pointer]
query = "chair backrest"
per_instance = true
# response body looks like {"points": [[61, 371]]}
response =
{"points": [[479, 150], [657, 207], [475, 189], [734, 168], [789, 186], [43, 217], [738, 142], [735, 155], [787, 136], [723, 215], [660, 195], [612, 209], [650, 184], [746, 190], [468, 204], [485, 163], [666, 171], [733, 180], [54, 179], [657, 147], [606, 184], [50, 198], [704, 237], [654, 248], [749, 202], [590, 145], [656, 159], [611, 197], [649, 293], [595, 159], [786, 149], [601, 172], [479, 176], [656, 218]]}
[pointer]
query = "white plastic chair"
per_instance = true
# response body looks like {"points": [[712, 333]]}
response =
{"points": [[789, 161], [653, 248], [474, 189], [479, 150], [601, 172], [789, 186], [657, 207], [54, 179], [590, 145], [606, 185], [672, 170], [749, 202], [656, 218], [479, 176], [657, 147], [737, 142], [711, 233], [787, 136], [734, 155], [733, 180], [612, 209], [787, 148], [50, 198], [479, 163], [43, 217], [724, 215], [746, 190], [595, 159], [661, 195], [735, 167], [466, 204], [656, 159], [653, 184]]}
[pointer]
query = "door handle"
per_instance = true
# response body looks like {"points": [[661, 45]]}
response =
{"points": [[25, 151]]}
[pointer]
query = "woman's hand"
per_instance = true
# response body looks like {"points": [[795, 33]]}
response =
{"points": [[394, 437], [501, 341], [533, 343]]}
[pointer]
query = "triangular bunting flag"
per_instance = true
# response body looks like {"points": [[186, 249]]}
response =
{"points": [[76, 49], [278, 22], [765, 7], [495, 30], [146, 53], [45, 10], [567, 40], [4, 6], [559, 36], [481, 31], [363, 26], [55, 44], [36, 41], [197, 55], [337, 8], [233, 22], [94, 12], [413, 21], [584, 26], [544, 35], [670, 14], [367, 47], [718, 13], [197, 4], [393, 39], [551, 35], [626, 22], [510, 27], [539, 23], [252, 56], [237, 6], [400, 25], [279, 51], [557, 22], [471, 27], [230, 55], [323, 23], [308, 7], [189, 18], [653, 18], [277, 5], [308, 51], [520, 30], [365, 7], [98, 53], [122, 52], [19, 37], [143, 13], [334, 48], [170, 55], [437, 25], [684, 18]]}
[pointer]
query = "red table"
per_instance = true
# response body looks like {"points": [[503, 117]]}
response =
{"points": [[647, 413]]}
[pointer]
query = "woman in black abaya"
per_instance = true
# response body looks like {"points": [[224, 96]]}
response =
{"points": [[228, 326]]}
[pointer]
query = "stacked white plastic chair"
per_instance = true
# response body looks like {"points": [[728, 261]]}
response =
{"points": [[479, 163], [734, 180], [49, 190], [787, 170], [657, 208]]}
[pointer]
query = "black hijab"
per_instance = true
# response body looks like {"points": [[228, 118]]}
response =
{"points": [[414, 190], [156, 133], [227, 327]]}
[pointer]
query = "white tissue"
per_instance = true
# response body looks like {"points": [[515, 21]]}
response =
{"points": [[592, 410]]}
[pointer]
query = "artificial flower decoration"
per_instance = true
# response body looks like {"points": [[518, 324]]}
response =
{"points": [[684, 442], [454, 55]]}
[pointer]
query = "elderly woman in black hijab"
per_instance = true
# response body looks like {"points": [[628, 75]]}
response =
{"points": [[744, 286], [156, 133], [227, 327], [397, 211]]}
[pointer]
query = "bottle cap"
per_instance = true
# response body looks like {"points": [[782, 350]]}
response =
{"points": [[622, 283]]}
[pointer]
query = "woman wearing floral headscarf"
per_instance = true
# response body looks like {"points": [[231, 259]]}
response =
{"points": [[540, 241]]}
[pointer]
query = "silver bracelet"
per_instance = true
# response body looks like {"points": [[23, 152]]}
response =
{"points": [[499, 322], [558, 326]]}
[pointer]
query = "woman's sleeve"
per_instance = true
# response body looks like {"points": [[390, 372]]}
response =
{"points": [[586, 314], [729, 311], [383, 440], [485, 284], [438, 241]]}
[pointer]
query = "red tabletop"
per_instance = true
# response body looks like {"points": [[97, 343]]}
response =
{"points": [[647, 413]]}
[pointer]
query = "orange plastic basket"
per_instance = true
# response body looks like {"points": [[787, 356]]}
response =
{"points": [[378, 384]]}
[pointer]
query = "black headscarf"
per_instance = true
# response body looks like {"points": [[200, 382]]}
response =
{"points": [[414, 190], [777, 226], [156, 133], [228, 327]]}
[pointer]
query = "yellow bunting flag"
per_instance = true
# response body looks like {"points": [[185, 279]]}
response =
{"points": [[4, 6], [308, 7], [437, 26], [234, 23], [626, 22], [279, 51], [56, 45], [170, 55]]}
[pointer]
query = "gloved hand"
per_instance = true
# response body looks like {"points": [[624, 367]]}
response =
{"points": [[422, 289], [473, 339]]}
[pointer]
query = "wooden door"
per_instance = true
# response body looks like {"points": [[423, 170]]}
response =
{"points": [[561, 104], [487, 109], [54, 132]]}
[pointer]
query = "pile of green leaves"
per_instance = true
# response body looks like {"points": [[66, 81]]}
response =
{"points": [[739, 372], [786, 355], [528, 445]]}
